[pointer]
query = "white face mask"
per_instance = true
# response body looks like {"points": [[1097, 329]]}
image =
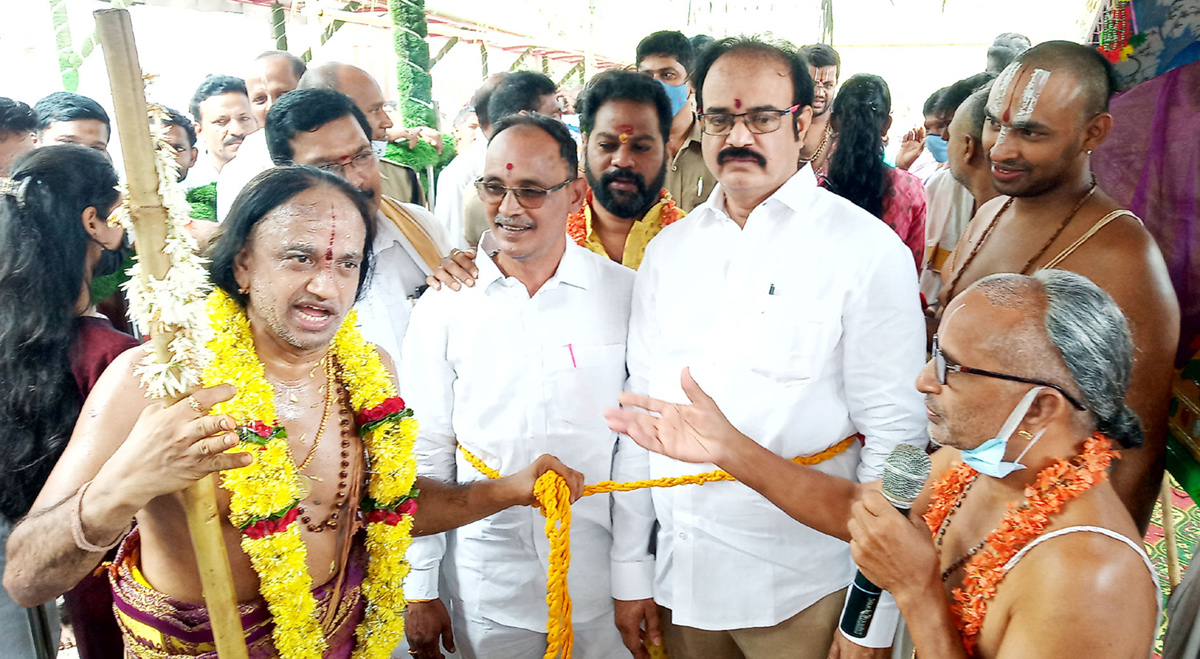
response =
{"points": [[988, 457], [379, 147]]}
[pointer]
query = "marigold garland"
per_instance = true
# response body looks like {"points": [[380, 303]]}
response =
{"points": [[577, 222], [554, 496], [1054, 487], [265, 495]]}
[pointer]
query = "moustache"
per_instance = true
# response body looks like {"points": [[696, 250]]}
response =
{"points": [[740, 152], [608, 178], [506, 221], [234, 140]]}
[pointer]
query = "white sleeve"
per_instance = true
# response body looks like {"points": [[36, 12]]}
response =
{"points": [[880, 388], [633, 512], [427, 381]]}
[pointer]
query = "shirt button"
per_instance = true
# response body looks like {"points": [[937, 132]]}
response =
{"points": [[682, 535], [674, 168]]}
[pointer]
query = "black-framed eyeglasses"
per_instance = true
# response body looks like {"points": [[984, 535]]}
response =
{"points": [[532, 198], [943, 365], [356, 162], [758, 122]]}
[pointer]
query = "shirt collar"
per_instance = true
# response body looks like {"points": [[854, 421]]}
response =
{"points": [[387, 234], [796, 194], [572, 269]]}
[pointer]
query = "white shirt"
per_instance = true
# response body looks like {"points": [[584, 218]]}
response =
{"points": [[805, 327], [949, 208], [511, 377], [397, 271], [453, 182], [252, 159]]}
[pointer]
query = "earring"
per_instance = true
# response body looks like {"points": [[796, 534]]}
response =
{"points": [[1089, 152], [243, 290]]}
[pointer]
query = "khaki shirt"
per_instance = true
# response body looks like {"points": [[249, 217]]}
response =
{"points": [[400, 182], [688, 178]]}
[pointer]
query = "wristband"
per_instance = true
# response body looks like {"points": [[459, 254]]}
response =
{"points": [[77, 526]]}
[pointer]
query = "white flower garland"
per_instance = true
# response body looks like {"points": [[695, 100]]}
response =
{"points": [[175, 303]]}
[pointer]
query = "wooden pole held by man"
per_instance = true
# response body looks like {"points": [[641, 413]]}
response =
{"points": [[149, 217]]}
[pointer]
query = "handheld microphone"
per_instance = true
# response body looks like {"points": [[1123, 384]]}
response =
{"points": [[905, 471]]}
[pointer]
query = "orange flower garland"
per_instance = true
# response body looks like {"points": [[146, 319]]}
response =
{"points": [[577, 221], [1054, 487]]}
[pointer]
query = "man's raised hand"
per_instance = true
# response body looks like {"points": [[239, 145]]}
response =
{"points": [[169, 448], [692, 433]]}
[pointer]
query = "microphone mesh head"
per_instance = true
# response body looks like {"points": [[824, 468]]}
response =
{"points": [[905, 471]]}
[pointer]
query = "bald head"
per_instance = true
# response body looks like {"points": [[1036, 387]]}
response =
{"points": [[1087, 67], [358, 85], [1060, 327]]}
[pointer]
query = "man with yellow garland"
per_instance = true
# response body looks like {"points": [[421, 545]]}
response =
{"points": [[289, 264], [626, 119], [538, 374]]}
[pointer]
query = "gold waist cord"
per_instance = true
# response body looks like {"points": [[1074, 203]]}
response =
{"points": [[555, 498]]}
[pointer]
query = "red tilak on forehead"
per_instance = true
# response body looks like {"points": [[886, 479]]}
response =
{"points": [[332, 233], [1007, 116], [508, 166], [737, 103], [625, 128]]}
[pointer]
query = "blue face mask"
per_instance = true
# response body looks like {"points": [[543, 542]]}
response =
{"points": [[988, 457], [938, 147], [678, 95]]}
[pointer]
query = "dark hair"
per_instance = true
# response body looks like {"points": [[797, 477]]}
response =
{"points": [[1004, 49], [263, 194], [856, 169], [483, 98], [977, 105], [298, 65], [66, 106], [461, 117], [306, 110], [16, 117], [554, 128], [700, 42], [215, 86], [625, 86], [822, 55], [175, 118], [931, 103], [669, 43], [521, 91], [1095, 74], [802, 83], [953, 96], [43, 246]]}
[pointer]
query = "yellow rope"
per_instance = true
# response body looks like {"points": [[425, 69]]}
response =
{"points": [[555, 498]]}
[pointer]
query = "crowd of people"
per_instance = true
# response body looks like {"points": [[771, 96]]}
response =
{"points": [[704, 262]]}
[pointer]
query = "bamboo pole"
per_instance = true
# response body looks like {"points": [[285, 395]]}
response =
{"points": [[149, 216], [1169, 532]]}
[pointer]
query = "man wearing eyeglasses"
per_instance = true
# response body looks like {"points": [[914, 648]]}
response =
{"points": [[536, 375], [325, 129], [798, 313]]}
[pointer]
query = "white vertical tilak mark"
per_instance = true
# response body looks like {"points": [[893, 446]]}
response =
{"points": [[1029, 98], [1000, 89]]}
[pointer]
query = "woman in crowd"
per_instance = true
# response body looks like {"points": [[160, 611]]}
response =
{"points": [[861, 118], [53, 348]]}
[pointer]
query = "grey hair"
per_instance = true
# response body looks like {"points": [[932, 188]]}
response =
{"points": [[1090, 334]]}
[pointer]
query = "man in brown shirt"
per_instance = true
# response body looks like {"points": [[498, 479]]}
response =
{"points": [[667, 57]]}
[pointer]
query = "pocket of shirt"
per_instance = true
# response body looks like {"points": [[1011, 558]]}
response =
{"points": [[793, 340], [586, 381]]}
